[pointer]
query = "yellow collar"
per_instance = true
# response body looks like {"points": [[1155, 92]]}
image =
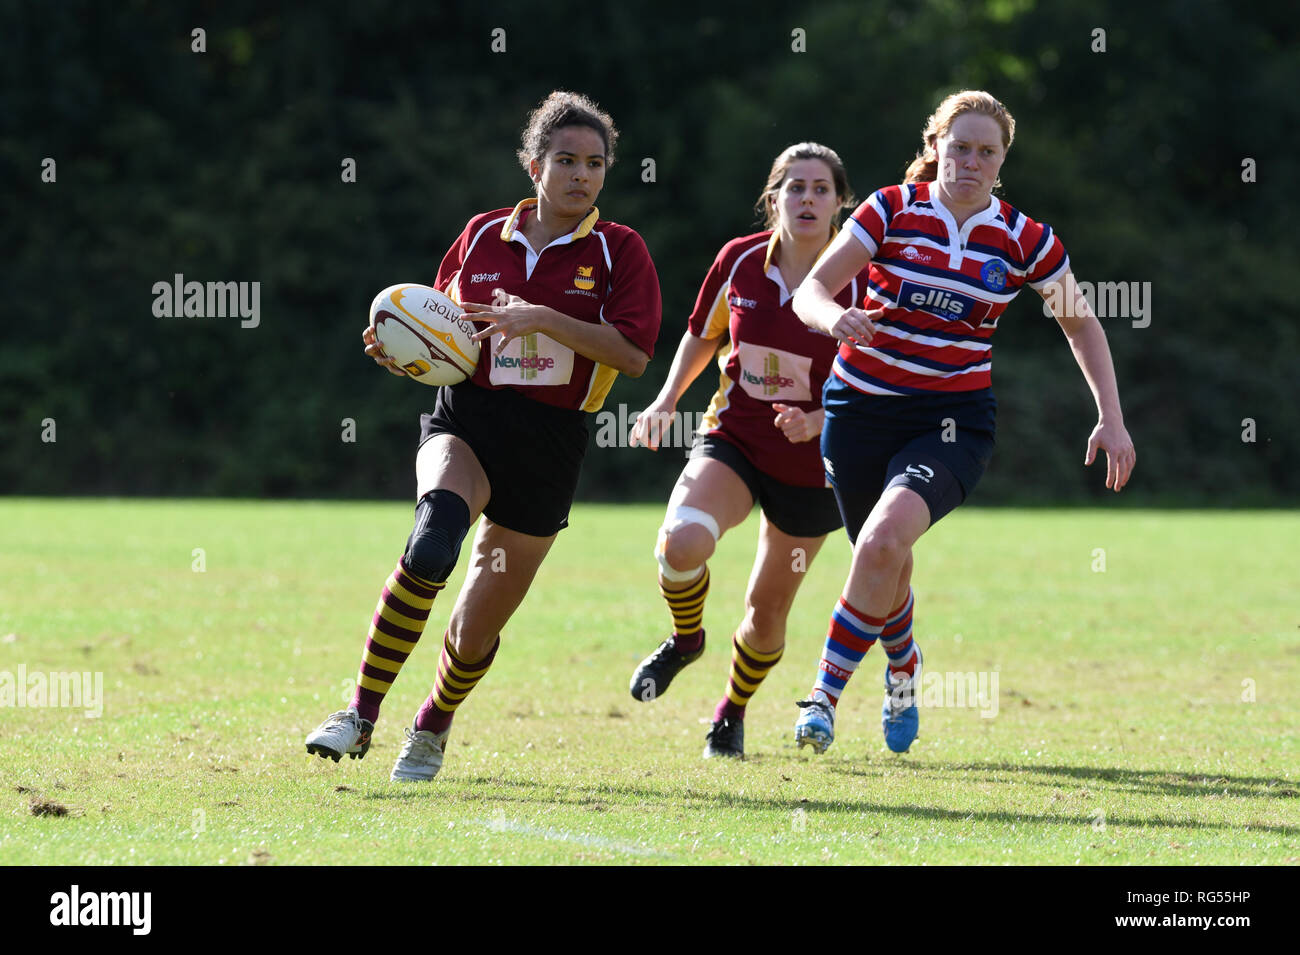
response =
{"points": [[512, 224], [776, 235]]}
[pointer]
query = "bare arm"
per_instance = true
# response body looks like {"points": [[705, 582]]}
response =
{"points": [[601, 343], [1088, 342], [815, 303], [693, 356]]}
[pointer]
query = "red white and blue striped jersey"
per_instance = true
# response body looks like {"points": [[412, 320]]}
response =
{"points": [[943, 289], [773, 357]]}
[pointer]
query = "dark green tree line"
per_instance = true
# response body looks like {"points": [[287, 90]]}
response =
{"points": [[225, 165]]}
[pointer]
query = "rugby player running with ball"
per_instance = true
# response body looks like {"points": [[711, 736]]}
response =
{"points": [[570, 300]]}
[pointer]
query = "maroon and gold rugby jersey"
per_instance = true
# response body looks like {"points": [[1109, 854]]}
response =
{"points": [[600, 273], [943, 289], [772, 357]]}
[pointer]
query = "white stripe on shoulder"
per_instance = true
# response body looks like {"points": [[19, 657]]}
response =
{"points": [[1055, 275], [863, 236], [881, 211], [741, 258], [1049, 243], [1020, 227], [484, 228], [609, 264]]}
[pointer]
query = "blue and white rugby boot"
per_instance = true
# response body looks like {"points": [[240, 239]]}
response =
{"points": [[816, 724], [899, 717]]}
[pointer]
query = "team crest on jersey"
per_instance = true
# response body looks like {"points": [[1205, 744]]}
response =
{"points": [[994, 275], [583, 279]]}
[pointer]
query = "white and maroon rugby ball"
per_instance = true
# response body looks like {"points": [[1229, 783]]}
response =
{"points": [[425, 333]]}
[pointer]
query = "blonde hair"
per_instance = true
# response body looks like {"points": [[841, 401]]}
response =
{"points": [[925, 167]]}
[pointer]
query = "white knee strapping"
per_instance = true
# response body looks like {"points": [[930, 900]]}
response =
{"points": [[679, 517]]}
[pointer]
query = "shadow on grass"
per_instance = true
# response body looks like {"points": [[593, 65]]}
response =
{"points": [[492, 789], [1153, 781]]}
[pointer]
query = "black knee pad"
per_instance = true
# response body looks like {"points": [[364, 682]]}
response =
{"points": [[441, 522]]}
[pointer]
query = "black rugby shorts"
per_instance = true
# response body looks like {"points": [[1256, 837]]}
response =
{"points": [[531, 452], [792, 509]]}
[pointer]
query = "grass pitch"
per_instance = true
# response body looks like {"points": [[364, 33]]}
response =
{"points": [[1146, 708]]}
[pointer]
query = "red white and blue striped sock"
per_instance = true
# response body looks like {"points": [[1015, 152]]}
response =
{"points": [[850, 636], [896, 637]]}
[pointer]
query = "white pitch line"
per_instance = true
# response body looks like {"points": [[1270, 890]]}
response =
{"points": [[499, 823]]}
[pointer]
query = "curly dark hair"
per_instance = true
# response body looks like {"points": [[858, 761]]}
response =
{"points": [[561, 109]]}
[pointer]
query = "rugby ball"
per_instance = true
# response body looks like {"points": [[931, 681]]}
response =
{"points": [[426, 333]]}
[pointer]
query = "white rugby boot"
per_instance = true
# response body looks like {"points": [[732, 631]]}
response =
{"points": [[421, 756]]}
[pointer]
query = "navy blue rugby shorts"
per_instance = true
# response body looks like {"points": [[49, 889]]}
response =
{"points": [[936, 445]]}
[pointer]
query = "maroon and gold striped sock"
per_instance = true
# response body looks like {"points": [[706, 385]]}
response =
{"points": [[687, 607], [455, 679], [748, 668], [399, 620]]}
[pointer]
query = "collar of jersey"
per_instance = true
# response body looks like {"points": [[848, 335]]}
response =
{"points": [[994, 205], [581, 232], [959, 236], [768, 264]]}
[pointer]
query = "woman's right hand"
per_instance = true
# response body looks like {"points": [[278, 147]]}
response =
{"points": [[855, 326], [653, 423], [376, 351]]}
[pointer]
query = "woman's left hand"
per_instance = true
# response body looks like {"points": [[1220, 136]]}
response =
{"points": [[510, 316], [796, 424], [1120, 453]]}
